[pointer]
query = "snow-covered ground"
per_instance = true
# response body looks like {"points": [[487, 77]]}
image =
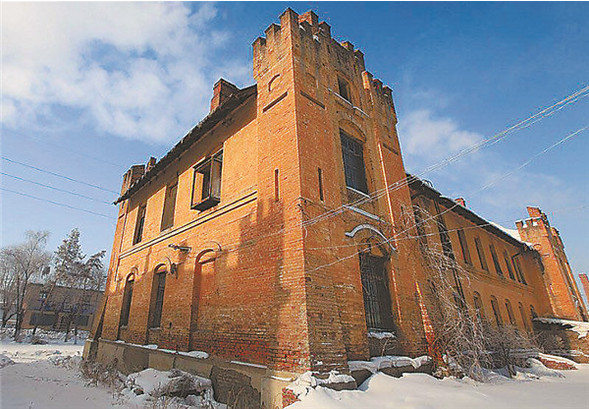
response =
{"points": [[48, 377], [420, 391]]}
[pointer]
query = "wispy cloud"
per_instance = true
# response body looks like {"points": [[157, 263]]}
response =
{"points": [[136, 70], [427, 136]]}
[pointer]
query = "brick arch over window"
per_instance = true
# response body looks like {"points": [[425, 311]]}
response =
{"points": [[204, 267], [376, 259], [384, 242]]}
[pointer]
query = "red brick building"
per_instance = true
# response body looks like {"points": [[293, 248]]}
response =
{"points": [[274, 235]]}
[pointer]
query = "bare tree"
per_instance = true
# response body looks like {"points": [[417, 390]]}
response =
{"points": [[470, 344], [22, 263]]}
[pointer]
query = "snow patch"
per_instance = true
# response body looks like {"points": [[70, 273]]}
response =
{"points": [[381, 335], [580, 327], [380, 362], [5, 361]]}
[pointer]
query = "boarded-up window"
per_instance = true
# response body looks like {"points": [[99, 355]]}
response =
{"points": [[169, 206], [523, 316], [138, 236], [481, 254], [464, 247], [353, 156], [478, 306]]}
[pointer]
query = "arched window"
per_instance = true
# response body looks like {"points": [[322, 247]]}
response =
{"points": [[509, 312], [159, 285], [127, 297], [523, 316], [478, 306], [496, 312]]}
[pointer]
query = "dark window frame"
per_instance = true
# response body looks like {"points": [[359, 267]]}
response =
{"points": [[376, 293], [140, 223], [464, 247], [127, 300], [159, 289], [508, 264], [496, 311], [496, 261], [169, 210], [354, 165], [211, 170], [510, 314], [344, 89], [481, 253]]}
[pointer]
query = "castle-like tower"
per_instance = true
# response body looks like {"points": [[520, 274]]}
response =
{"points": [[278, 236], [564, 295]]}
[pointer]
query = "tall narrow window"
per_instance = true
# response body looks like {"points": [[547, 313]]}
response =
{"points": [[508, 264], [276, 185], [320, 176], [464, 247], [509, 312], [169, 206], [443, 230], [420, 226], [478, 306], [206, 186], [353, 156], [375, 289], [518, 269], [481, 254], [496, 260], [138, 236], [533, 313], [523, 316], [159, 285], [127, 297], [344, 89], [496, 312]]}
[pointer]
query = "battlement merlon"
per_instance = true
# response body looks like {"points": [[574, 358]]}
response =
{"points": [[294, 29]]}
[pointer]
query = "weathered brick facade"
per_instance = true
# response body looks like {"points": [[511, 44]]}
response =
{"points": [[269, 272]]}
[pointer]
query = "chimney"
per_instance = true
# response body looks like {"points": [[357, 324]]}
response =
{"points": [[221, 91], [460, 201], [150, 164]]}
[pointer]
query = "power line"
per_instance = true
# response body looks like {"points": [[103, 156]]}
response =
{"points": [[58, 175], [58, 203], [56, 188]]}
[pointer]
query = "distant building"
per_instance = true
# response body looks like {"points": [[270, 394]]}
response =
{"points": [[53, 307]]}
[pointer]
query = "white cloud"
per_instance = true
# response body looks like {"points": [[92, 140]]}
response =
{"points": [[429, 137], [137, 70]]}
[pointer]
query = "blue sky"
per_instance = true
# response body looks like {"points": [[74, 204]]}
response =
{"points": [[91, 88]]}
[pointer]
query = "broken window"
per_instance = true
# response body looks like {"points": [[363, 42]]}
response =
{"points": [[139, 224], [344, 89], [375, 290], [206, 188], [353, 156], [464, 247], [169, 206]]}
